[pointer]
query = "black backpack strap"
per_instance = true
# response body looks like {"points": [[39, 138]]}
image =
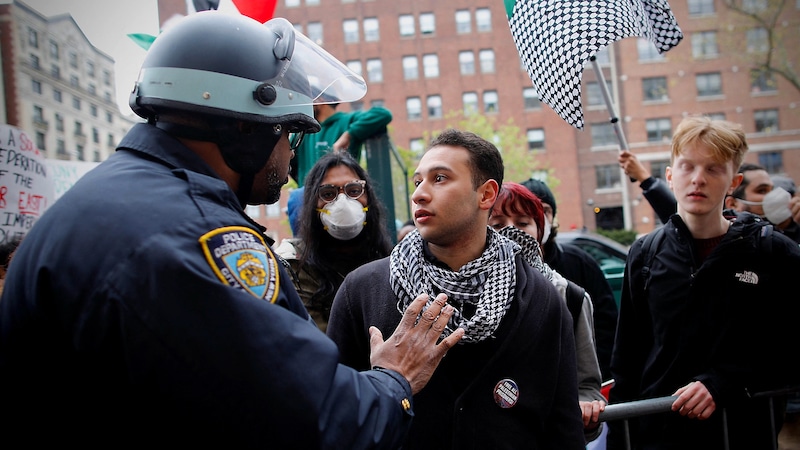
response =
{"points": [[575, 296], [649, 248]]}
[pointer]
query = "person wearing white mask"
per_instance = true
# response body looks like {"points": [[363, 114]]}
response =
{"points": [[758, 195], [341, 226]]}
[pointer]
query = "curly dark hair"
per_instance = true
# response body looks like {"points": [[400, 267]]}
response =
{"points": [[331, 258]]}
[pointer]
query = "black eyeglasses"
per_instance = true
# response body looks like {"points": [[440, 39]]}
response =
{"points": [[296, 139], [329, 192]]}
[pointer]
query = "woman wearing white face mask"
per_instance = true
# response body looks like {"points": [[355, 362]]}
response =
{"points": [[341, 226]]}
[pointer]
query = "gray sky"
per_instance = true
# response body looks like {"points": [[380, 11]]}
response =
{"points": [[106, 23]]}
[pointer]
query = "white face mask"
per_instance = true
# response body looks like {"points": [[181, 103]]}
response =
{"points": [[343, 218], [547, 228], [776, 205]]}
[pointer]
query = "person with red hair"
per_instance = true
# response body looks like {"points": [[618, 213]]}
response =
{"points": [[518, 214]]}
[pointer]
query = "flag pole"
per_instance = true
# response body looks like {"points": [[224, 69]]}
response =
{"points": [[623, 143]]}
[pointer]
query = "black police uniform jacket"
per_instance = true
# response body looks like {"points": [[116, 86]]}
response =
{"points": [[724, 321], [145, 308], [532, 355]]}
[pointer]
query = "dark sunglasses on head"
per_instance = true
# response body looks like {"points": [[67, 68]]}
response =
{"points": [[329, 192]]}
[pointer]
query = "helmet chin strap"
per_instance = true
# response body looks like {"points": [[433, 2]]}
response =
{"points": [[245, 187]]}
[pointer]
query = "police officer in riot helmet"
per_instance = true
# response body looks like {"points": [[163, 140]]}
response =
{"points": [[146, 307]]}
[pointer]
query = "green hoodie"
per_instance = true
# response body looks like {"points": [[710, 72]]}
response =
{"points": [[360, 124]]}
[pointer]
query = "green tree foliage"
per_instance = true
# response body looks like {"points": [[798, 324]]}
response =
{"points": [[774, 30]]}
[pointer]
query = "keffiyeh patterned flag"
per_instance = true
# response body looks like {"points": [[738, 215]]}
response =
{"points": [[555, 38]]}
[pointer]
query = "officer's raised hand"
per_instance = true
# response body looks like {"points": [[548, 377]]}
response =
{"points": [[412, 349]]}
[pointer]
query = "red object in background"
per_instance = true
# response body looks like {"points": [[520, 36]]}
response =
{"points": [[260, 10], [605, 388]]}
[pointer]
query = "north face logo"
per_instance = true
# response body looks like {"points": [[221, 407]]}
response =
{"points": [[747, 277]]}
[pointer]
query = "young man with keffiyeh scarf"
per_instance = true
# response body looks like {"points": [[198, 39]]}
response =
{"points": [[512, 381]]}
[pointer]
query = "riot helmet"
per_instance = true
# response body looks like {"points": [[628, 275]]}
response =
{"points": [[222, 70]]}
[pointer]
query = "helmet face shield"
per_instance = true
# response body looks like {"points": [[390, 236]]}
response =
{"points": [[331, 81], [228, 65]]}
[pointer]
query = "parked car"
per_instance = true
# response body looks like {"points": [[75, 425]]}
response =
{"points": [[608, 253]]}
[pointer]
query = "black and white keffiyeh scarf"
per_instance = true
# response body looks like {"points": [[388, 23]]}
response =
{"points": [[481, 291]]}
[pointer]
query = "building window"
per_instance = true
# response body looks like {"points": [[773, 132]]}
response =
{"points": [[414, 108], [757, 40], [603, 134], [658, 130], [374, 70], [417, 147], [463, 21], [355, 66], [357, 105], [659, 168], [292, 3], [406, 25], [655, 89], [410, 67], [535, 139], [61, 148], [531, 99], [76, 103], [38, 114], [91, 88], [312, 2], [470, 101], [766, 120], [704, 44], [754, 6], [762, 81], [73, 81], [33, 38], [40, 141], [483, 19], [716, 116], [90, 68], [377, 103], [55, 71], [36, 86], [107, 96], [490, 102], [709, 84], [107, 78], [487, 61], [594, 96], [93, 110], [427, 23], [95, 135], [647, 51], [35, 62], [371, 29], [78, 128], [315, 32], [59, 122], [435, 107], [109, 117], [350, 27], [602, 57], [466, 62], [607, 176], [700, 7], [54, 50], [57, 95], [72, 57], [110, 140], [79, 152], [430, 65], [772, 161]]}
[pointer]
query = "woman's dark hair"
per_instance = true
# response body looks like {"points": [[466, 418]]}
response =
{"points": [[332, 258]]}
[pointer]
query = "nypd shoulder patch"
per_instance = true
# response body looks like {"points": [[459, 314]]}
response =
{"points": [[240, 257]]}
